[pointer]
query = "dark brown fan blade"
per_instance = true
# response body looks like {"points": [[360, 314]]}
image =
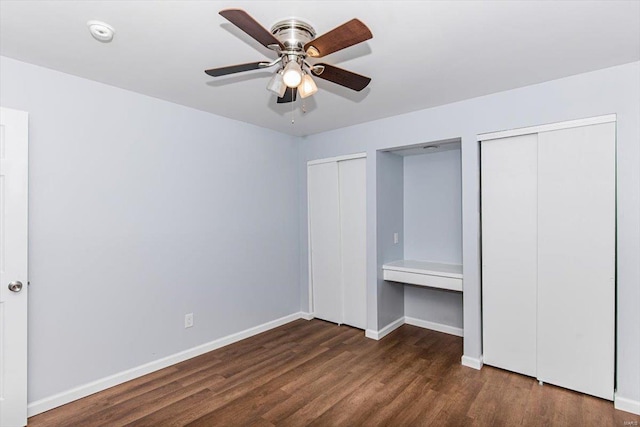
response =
{"points": [[342, 77], [347, 34], [223, 71], [289, 95], [246, 23]]}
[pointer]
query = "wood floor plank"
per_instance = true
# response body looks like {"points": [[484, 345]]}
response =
{"points": [[321, 374], [395, 407], [423, 410], [178, 413], [300, 398], [373, 394], [233, 389], [243, 412]]}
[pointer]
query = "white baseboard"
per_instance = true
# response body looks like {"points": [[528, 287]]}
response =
{"points": [[378, 335], [76, 393], [452, 330], [472, 362], [627, 405], [370, 333], [307, 316]]}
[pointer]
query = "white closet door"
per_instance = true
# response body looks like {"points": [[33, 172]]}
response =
{"points": [[352, 178], [509, 251], [576, 258], [324, 234]]}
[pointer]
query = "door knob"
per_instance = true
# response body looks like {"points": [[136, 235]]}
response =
{"points": [[15, 286]]}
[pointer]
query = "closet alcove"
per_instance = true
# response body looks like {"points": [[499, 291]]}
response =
{"points": [[419, 217]]}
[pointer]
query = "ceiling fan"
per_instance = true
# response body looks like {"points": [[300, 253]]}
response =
{"points": [[294, 41]]}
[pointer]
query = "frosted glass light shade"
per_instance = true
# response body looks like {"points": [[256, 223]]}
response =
{"points": [[292, 74], [307, 87], [276, 85]]}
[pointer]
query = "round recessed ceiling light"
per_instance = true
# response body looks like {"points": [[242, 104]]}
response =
{"points": [[431, 147], [101, 31]]}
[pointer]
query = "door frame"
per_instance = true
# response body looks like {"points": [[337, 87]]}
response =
{"points": [[608, 118], [16, 131]]}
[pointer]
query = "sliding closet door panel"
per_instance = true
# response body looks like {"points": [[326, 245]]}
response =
{"points": [[353, 240], [576, 258], [509, 253], [324, 235]]}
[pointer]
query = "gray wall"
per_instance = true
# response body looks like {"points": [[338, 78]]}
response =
{"points": [[389, 216], [142, 211], [433, 207], [433, 305], [612, 90], [433, 230]]}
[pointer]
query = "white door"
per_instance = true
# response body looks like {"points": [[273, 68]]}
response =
{"points": [[576, 258], [509, 250], [353, 228], [337, 240], [13, 267], [324, 241]]}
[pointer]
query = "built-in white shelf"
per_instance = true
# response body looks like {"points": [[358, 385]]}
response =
{"points": [[424, 273]]}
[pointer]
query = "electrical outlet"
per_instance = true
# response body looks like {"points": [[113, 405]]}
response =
{"points": [[395, 238], [188, 320]]}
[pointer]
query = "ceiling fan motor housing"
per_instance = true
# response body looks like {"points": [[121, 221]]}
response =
{"points": [[293, 34]]}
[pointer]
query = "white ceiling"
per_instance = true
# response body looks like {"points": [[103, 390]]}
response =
{"points": [[423, 53]]}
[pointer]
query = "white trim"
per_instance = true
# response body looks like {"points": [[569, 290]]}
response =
{"points": [[64, 397], [340, 243], [337, 159], [452, 330], [311, 307], [439, 327], [378, 335], [627, 405], [370, 333], [472, 362], [307, 316], [548, 127]]}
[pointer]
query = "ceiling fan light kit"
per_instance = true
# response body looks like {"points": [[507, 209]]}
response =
{"points": [[276, 84], [292, 74], [307, 87], [294, 41]]}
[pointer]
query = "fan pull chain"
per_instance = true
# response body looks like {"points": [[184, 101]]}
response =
{"points": [[293, 120]]}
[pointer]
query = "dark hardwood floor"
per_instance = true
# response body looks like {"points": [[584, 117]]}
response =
{"points": [[318, 373]]}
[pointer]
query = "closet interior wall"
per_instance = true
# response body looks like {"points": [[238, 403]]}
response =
{"points": [[389, 220], [419, 199], [433, 230]]}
